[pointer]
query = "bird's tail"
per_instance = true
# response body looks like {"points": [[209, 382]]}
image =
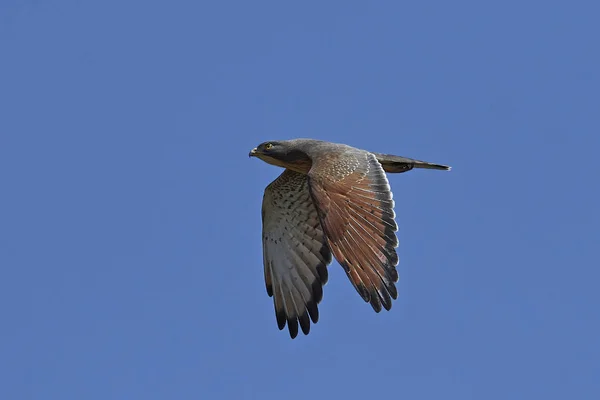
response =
{"points": [[397, 164]]}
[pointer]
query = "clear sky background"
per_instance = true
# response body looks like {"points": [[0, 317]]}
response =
{"points": [[130, 246]]}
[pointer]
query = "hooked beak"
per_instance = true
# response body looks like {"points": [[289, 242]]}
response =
{"points": [[253, 152]]}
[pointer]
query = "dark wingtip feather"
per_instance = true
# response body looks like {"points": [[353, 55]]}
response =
{"points": [[323, 273], [359, 286], [392, 256], [313, 311], [392, 290], [389, 233], [280, 316], [375, 303], [304, 323], [293, 327], [317, 291], [386, 299], [364, 293], [326, 254]]}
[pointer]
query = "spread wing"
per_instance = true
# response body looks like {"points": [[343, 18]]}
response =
{"points": [[294, 250], [355, 204]]}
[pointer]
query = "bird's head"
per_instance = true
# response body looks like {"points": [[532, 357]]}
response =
{"points": [[284, 154]]}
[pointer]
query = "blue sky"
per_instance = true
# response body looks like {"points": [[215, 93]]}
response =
{"points": [[130, 244]]}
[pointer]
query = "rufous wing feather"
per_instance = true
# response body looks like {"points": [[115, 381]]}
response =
{"points": [[356, 208]]}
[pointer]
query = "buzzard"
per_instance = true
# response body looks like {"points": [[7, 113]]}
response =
{"points": [[331, 199]]}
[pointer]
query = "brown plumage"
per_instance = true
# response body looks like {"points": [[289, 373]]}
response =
{"points": [[330, 199]]}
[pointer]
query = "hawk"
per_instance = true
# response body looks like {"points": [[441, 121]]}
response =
{"points": [[331, 199]]}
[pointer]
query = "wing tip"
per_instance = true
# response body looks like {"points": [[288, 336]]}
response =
{"points": [[313, 311], [304, 323], [292, 324], [281, 318]]}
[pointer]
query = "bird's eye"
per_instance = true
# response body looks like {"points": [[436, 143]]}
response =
{"points": [[268, 146]]}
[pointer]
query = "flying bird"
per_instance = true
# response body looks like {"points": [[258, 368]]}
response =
{"points": [[331, 199]]}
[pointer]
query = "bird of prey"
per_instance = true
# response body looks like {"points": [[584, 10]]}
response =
{"points": [[331, 199]]}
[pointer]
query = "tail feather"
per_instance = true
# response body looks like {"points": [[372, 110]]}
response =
{"points": [[397, 164]]}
